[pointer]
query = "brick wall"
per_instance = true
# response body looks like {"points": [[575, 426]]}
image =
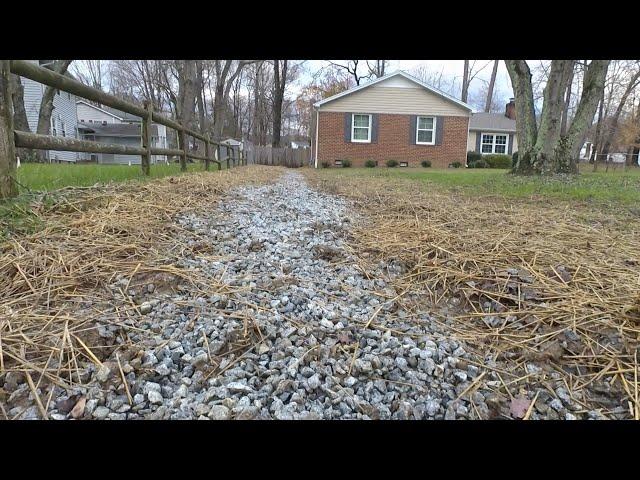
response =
{"points": [[393, 142]]}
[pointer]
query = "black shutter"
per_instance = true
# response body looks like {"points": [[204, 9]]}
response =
{"points": [[347, 127], [478, 139], [413, 119], [510, 150], [439, 130], [374, 128]]}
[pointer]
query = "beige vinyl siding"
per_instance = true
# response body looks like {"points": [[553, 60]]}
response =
{"points": [[399, 100], [471, 143]]}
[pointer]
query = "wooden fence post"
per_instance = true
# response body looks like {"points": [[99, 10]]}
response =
{"points": [[207, 152], [182, 144], [146, 138], [8, 185]]}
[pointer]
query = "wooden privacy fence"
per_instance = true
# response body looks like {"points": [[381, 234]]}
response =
{"points": [[10, 138], [283, 156]]}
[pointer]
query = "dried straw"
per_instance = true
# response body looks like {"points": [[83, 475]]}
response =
{"points": [[54, 282], [554, 283]]}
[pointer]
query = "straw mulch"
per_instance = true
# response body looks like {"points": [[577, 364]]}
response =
{"points": [[54, 284], [528, 281]]}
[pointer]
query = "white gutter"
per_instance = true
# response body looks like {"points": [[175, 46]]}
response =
{"points": [[315, 150]]}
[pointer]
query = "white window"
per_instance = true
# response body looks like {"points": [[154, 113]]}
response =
{"points": [[426, 131], [494, 143], [361, 128]]}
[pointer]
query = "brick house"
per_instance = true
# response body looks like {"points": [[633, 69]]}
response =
{"points": [[395, 117]]}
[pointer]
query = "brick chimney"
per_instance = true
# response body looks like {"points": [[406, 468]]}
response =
{"points": [[510, 109]]}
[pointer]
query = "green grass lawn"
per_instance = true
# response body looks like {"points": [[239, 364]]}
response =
{"points": [[46, 176], [615, 186]]}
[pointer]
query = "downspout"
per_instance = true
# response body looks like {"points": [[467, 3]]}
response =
{"points": [[315, 150]]}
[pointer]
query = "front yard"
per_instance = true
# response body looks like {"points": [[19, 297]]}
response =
{"points": [[616, 186]]}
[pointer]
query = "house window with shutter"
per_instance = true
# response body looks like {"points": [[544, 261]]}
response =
{"points": [[426, 131], [494, 143], [361, 128]]}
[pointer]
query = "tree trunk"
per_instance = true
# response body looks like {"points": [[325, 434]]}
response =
{"points": [[543, 150], [46, 105], [608, 138], [20, 120], [8, 186], [567, 103], [280, 82], [492, 83], [465, 82], [596, 140]]}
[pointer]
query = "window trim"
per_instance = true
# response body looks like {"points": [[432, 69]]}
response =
{"points": [[432, 130], [493, 143], [369, 128]]}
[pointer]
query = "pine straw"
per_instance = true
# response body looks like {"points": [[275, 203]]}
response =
{"points": [[53, 283], [550, 283]]}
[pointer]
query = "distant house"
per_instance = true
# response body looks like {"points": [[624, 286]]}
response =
{"points": [[494, 132], [300, 144], [395, 117], [64, 120], [108, 125]]}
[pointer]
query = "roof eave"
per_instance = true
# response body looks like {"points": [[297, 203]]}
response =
{"points": [[393, 74]]}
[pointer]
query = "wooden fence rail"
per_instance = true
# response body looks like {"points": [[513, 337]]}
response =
{"points": [[10, 138], [282, 156]]}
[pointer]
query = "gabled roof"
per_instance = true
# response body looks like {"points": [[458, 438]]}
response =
{"points": [[401, 73], [492, 122], [115, 129], [120, 115]]}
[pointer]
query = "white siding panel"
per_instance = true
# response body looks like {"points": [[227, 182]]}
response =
{"points": [[87, 112], [400, 100], [64, 108]]}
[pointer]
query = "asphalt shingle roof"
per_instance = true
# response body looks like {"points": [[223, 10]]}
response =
{"points": [[491, 121], [115, 129]]}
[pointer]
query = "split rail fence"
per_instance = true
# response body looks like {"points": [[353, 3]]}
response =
{"points": [[11, 139]]}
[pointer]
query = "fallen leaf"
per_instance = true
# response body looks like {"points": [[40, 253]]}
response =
{"points": [[78, 409], [519, 407], [65, 406]]}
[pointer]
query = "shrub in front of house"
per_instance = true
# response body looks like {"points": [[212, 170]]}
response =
{"points": [[479, 164], [370, 163], [455, 165], [425, 163], [473, 157], [325, 164], [346, 163], [391, 163], [498, 160]]}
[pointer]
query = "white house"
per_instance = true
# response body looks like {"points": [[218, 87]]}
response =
{"points": [[64, 120], [108, 125]]}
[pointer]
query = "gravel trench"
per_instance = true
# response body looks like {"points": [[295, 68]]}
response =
{"points": [[290, 342]]}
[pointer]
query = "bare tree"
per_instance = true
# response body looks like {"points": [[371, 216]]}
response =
{"points": [[377, 68], [470, 72], [492, 82], [279, 84], [351, 68], [633, 82], [543, 149], [90, 72]]}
